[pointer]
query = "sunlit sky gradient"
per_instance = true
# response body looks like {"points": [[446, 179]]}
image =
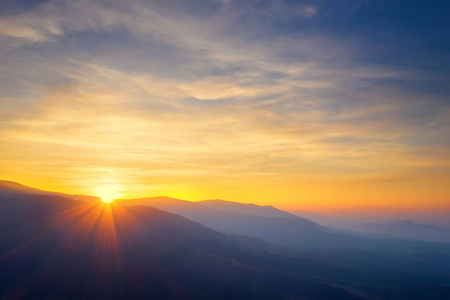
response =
{"points": [[298, 104]]}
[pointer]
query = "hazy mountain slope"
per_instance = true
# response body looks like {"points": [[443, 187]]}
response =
{"points": [[407, 229], [177, 206], [400, 229], [247, 209], [319, 218], [290, 230], [352, 220], [293, 232], [218, 209]]}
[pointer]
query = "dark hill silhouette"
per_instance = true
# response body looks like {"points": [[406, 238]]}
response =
{"points": [[10, 187]]}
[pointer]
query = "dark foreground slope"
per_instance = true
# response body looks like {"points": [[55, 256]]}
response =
{"points": [[57, 248]]}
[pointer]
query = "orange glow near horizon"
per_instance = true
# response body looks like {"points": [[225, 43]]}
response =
{"points": [[363, 195]]}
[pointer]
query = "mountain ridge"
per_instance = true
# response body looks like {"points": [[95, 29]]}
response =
{"points": [[14, 187], [55, 247]]}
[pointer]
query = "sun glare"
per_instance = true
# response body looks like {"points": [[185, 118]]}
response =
{"points": [[108, 192]]}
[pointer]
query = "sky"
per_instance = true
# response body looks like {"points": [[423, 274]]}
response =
{"points": [[314, 105]]}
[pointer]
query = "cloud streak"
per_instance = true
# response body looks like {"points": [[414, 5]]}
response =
{"points": [[211, 95]]}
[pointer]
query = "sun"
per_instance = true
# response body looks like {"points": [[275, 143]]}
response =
{"points": [[108, 192]]}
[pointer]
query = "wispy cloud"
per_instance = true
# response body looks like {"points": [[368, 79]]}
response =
{"points": [[224, 91]]}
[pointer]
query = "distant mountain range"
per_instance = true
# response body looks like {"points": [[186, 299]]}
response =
{"points": [[407, 229], [270, 224], [53, 246], [400, 229]]}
